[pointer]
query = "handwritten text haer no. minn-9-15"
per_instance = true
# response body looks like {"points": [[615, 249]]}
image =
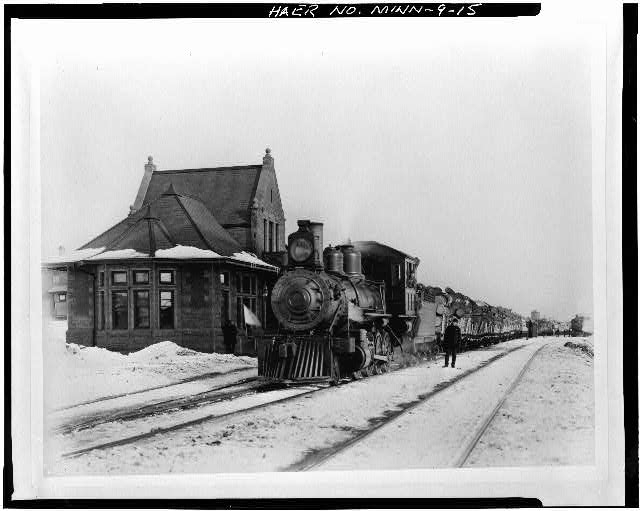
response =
{"points": [[342, 10]]}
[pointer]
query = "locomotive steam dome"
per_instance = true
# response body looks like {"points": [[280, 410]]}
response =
{"points": [[300, 300], [333, 259]]}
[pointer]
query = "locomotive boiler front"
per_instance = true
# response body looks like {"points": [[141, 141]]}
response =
{"points": [[303, 299], [308, 298]]}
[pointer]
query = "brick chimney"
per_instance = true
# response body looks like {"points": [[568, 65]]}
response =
{"points": [[149, 169]]}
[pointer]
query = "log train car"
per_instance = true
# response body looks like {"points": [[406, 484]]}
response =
{"points": [[334, 320], [481, 324], [343, 310]]}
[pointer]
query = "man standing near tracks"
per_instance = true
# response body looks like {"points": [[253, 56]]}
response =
{"points": [[452, 338]]}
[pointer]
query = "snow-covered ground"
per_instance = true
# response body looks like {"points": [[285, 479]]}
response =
{"points": [[549, 419], [75, 374], [282, 435]]}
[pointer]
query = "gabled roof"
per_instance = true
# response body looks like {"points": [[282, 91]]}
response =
{"points": [[171, 219], [379, 249], [227, 192], [174, 227]]}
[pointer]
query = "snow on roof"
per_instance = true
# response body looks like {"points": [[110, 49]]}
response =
{"points": [[125, 253], [184, 252], [177, 252], [74, 256], [250, 258]]}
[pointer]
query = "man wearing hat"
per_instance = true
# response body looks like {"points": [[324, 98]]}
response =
{"points": [[452, 338]]}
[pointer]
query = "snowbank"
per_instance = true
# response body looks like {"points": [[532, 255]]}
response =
{"points": [[75, 374]]}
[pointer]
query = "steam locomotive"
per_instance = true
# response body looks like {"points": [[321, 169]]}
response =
{"points": [[333, 321], [342, 311]]}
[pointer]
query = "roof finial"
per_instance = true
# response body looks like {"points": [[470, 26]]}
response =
{"points": [[267, 159]]}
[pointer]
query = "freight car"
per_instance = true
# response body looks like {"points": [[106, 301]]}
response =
{"points": [[334, 320], [481, 324]]}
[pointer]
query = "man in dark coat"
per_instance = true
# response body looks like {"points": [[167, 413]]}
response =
{"points": [[452, 337], [230, 335]]}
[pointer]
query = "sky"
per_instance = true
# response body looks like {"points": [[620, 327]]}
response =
{"points": [[468, 146]]}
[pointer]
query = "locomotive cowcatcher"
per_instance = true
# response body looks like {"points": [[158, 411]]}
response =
{"points": [[332, 321]]}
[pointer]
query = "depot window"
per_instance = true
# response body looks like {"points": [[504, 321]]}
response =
{"points": [[264, 230], [167, 308], [224, 278], [246, 284], [167, 277], [250, 303], [271, 237], [120, 310], [141, 276], [247, 294], [119, 278], [141, 315]]}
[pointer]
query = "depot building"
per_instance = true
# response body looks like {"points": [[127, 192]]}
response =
{"points": [[198, 249]]}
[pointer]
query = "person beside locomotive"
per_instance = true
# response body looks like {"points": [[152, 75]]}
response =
{"points": [[452, 338]]}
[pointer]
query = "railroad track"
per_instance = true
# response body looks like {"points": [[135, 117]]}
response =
{"points": [[149, 389], [317, 458], [178, 405], [213, 417], [132, 414], [210, 396], [464, 456]]}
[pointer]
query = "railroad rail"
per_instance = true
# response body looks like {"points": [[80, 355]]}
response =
{"points": [[150, 389], [464, 456], [210, 396], [171, 404], [307, 463], [317, 458], [207, 418]]}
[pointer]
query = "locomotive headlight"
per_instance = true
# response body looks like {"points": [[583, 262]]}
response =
{"points": [[300, 250]]}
